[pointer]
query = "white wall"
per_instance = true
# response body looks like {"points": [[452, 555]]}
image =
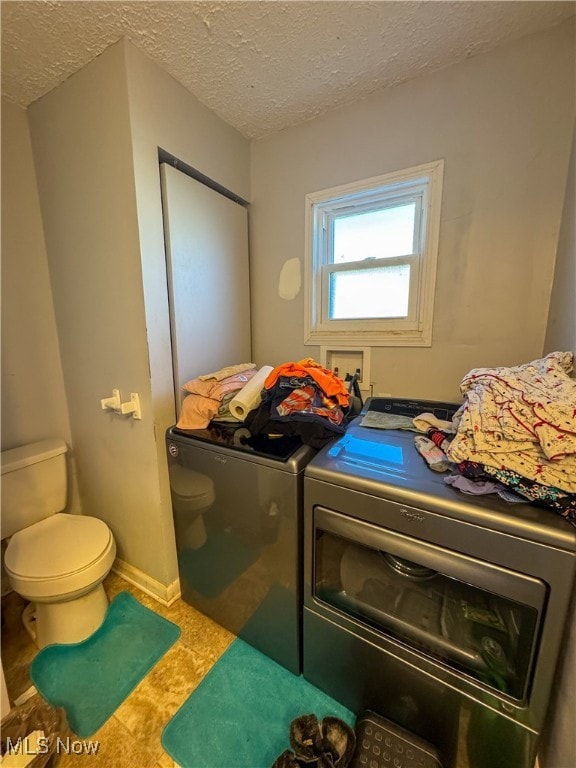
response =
{"points": [[503, 123], [33, 397], [559, 747]]}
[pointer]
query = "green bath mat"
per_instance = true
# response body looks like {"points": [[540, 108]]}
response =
{"points": [[92, 678], [240, 714]]}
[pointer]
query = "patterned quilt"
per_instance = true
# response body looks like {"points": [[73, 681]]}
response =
{"points": [[522, 419]]}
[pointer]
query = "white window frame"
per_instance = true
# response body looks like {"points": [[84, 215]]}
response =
{"points": [[421, 184]]}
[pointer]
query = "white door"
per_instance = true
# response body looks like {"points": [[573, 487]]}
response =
{"points": [[208, 277]]}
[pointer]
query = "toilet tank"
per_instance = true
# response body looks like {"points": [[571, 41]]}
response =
{"points": [[33, 484]]}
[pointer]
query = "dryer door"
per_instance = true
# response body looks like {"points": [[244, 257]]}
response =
{"points": [[477, 618]]}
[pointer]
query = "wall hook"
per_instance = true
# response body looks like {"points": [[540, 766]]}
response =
{"points": [[113, 403], [132, 406]]}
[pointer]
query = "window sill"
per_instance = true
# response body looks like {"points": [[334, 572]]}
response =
{"points": [[370, 338]]}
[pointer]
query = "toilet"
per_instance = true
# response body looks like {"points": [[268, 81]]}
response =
{"points": [[55, 560], [192, 496]]}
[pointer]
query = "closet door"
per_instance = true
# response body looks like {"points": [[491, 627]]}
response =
{"points": [[206, 237]]}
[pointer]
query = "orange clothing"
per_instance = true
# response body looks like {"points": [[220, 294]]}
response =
{"points": [[330, 384]]}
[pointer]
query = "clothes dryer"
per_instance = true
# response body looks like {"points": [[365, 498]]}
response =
{"points": [[441, 611]]}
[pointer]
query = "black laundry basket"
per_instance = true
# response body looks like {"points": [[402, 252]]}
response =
{"points": [[381, 743]]}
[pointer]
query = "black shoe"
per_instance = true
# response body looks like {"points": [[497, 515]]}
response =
{"points": [[338, 743], [286, 760], [306, 739]]}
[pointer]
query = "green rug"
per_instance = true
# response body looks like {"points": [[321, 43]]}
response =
{"points": [[92, 678], [240, 714]]}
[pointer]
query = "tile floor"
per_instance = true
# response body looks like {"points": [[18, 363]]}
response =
{"points": [[131, 737]]}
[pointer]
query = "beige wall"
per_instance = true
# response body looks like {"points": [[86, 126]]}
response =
{"points": [[164, 114], [96, 140], [561, 328], [503, 124], [82, 148], [33, 396], [559, 747]]}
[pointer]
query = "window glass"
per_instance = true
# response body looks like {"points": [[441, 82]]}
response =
{"points": [[374, 235], [364, 293]]}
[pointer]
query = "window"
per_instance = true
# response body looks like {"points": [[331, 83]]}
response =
{"points": [[371, 253]]}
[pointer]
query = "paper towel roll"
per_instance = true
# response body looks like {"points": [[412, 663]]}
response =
{"points": [[249, 396]]}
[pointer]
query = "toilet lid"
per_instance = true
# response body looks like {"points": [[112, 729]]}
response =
{"points": [[57, 546]]}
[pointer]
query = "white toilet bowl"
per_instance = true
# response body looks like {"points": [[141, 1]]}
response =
{"points": [[59, 564], [57, 561]]}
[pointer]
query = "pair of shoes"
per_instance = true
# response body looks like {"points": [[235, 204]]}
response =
{"points": [[329, 744]]}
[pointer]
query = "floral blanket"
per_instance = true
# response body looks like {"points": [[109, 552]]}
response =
{"points": [[522, 419]]}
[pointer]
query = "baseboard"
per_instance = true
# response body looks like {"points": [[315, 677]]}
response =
{"points": [[165, 594]]}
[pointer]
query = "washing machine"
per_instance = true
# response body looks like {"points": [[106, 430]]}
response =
{"points": [[443, 612], [237, 501]]}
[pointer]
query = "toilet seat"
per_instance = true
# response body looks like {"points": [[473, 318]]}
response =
{"points": [[59, 555]]}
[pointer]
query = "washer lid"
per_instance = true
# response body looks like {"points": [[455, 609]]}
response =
{"points": [[57, 546]]}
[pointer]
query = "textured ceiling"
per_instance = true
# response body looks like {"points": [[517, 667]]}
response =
{"points": [[262, 65]]}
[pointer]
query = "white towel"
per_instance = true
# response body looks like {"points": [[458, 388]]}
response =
{"points": [[424, 421]]}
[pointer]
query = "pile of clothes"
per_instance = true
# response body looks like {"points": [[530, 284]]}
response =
{"points": [[303, 399], [517, 429], [208, 396], [299, 399]]}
